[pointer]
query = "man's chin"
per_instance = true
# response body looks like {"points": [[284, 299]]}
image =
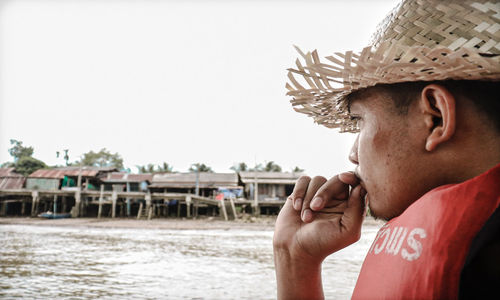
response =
{"points": [[376, 214]]}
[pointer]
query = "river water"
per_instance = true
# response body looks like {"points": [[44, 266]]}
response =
{"points": [[86, 263]]}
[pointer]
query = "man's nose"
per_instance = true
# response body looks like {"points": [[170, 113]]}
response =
{"points": [[353, 155]]}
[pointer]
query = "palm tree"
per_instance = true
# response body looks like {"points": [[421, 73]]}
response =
{"points": [[257, 168], [165, 168], [239, 167], [272, 167], [199, 167], [151, 168]]}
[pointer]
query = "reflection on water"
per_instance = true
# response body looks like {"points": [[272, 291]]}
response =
{"points": [[62, 262]]}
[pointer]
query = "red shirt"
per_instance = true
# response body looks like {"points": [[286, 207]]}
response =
{"points": [[421, 253]]}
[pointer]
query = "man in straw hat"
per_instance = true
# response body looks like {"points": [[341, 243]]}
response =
{"points": [[423, 98]]}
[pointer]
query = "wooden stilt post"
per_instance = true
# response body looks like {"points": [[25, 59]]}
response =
{"points": [[140, 211], [166, 203], [37, 205], [128, 207], [223, 206], [150, 212], [256, 198], [128, 200], [34, 203], [23, 207], [188, 206], [195, 209], [55, 204], [149, 207], [101, 195], [192, 208], [121, 208], [233, 208], [114, 198], [78, 196], [64, 204]]}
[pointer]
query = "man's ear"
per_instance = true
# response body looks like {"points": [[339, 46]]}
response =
{"points": [[437, 105]]}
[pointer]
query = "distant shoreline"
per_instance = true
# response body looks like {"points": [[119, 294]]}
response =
{"points": [[248, 223], [261, 223]]}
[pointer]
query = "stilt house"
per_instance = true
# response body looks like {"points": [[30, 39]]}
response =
{"points": [[268, 186], [54, 179], [125, 182], [206, 183]]}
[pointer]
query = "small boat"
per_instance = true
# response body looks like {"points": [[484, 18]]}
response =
{"points": [[50, 215]]}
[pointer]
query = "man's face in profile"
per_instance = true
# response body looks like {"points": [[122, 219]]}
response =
{"points": [[386, 152]]}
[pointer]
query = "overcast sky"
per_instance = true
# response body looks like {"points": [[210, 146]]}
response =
{"points": [[174, 81]]}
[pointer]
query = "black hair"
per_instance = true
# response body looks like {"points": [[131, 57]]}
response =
{"points": [[484, 94]]}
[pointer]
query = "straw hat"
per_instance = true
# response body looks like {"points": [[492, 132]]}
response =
{"points": [[420, 40]]}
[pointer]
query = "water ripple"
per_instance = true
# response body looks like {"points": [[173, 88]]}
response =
{"points": [[87, 263]]}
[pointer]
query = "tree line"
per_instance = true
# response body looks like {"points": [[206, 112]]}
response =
{"points": [[25, 163]]}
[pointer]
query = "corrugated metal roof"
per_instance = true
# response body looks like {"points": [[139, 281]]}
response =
{"points": [[270, 177], [9, 179], [12, 183], [126, 177], [70, 171], [9, 172], [100, 169], [59, 174], [188, 180]]}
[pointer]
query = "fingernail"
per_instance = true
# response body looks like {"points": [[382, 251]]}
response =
{"points": [[307, 215], [297, 205], [316, 203]]}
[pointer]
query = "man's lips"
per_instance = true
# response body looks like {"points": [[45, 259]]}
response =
{"points": [[362, 184], [356, 173]]}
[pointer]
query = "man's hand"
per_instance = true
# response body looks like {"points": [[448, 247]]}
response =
{"points": [[319, 218]]}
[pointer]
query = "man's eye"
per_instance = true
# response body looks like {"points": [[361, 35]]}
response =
{"points": [[354, 118]]}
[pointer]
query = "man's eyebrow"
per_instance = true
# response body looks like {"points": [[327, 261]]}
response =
{"points": [[357, 95], [349, 102], [351, 98], [349, 105]]}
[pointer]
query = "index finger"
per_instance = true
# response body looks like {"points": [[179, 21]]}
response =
{"points": [[333, 188], [299, 192], [349, 178]]}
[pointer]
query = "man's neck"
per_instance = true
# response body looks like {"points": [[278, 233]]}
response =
{"points": [[478, 155]]}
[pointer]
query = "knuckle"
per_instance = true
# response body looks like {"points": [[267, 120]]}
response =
{"points": [[300, 186], [322, 194], [356, 237], [304, 178], [319, 178]]}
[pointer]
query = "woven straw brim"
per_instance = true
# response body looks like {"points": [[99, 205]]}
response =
{"points": [[324, 87], [419, 40]]}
